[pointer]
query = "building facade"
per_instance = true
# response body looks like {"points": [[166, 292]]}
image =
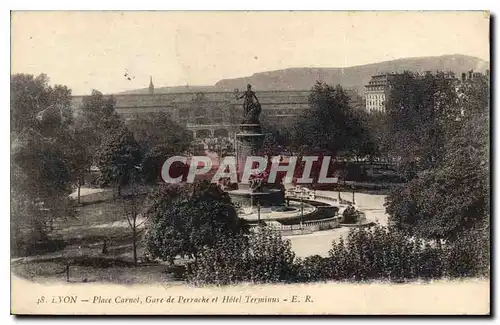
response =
{"points": [[214, 114], [376, 93]]}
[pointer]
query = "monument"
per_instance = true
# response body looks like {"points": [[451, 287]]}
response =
{"points": [[250, 136], [249, 141]]}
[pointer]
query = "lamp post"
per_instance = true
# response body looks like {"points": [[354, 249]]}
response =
{"points": [[353, 188], [258, 213]]}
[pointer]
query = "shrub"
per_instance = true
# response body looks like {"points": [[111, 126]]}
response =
{"points": [[350, 215], [185, 221], [261, 257], [379, 253], [271, 257], [224, 263], [366, 254], [468, 255], [312, 268]]}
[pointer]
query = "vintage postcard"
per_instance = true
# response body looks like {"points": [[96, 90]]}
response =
{"points": [[257, 163]]}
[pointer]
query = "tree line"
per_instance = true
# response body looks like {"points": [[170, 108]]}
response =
{"points": [[54, 147], [435, 130]]}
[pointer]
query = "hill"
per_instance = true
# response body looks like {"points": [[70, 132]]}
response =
{"points": [[351, 77]]}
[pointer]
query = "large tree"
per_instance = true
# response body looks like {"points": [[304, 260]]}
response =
{"points": [[276, 138], [96, 118], [182, 221], [80, 157], [118, 158], [159, 138], [37, 105], [41, 123], [331, 124], [452, 195], [97, 113], [420, 110]]}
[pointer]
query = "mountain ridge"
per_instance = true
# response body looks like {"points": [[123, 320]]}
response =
{"points": [[354, 77]]}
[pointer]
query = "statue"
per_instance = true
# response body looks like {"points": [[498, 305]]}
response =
{"points": [[251, 108]]}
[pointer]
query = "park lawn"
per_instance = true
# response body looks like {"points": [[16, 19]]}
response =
{"points": [[79, 241], [86, 232], [89, 269]]}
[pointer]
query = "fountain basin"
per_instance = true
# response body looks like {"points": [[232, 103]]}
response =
{"points": [[270, 214], [267, 198]]}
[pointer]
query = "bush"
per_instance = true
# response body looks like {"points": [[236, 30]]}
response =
{"points": [[366, 254], [350, 215], [271, 257], [184, 221], [468, 255], [382, 254], [312, 268], [261, 257], [224, 263]]}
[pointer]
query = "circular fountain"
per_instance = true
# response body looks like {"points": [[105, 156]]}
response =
{"points": [[260, 202]]}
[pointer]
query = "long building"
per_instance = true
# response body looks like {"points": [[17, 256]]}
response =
{"points": [[209, 114]]}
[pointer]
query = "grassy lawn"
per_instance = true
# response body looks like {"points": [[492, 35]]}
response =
{"points": [[97, 269], [79, 241], [92, 225]]}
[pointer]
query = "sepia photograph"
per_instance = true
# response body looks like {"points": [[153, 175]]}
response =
{"points": [[250, 162]]}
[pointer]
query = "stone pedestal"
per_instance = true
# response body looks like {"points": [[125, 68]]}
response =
{"points": [[250, 139]]}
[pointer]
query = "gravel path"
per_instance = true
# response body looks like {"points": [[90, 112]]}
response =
{"points": [[320, 242]]}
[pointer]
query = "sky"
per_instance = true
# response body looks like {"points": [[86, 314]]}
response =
{"points": [[117, 51]]}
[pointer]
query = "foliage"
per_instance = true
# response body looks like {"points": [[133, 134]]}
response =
{"points": [[96, 119], [366, 254], [37, 106], [118, 158], [260, 257], [350, 215], [277, 138], [41, 122], [80, 157], [226, 262], [380, 143], [183, 220], [271, 257], [332, 125], [39, 167], [97, 116], [453, 196], [312, 269], [159, 138], [379, 253], [420, 111]]}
